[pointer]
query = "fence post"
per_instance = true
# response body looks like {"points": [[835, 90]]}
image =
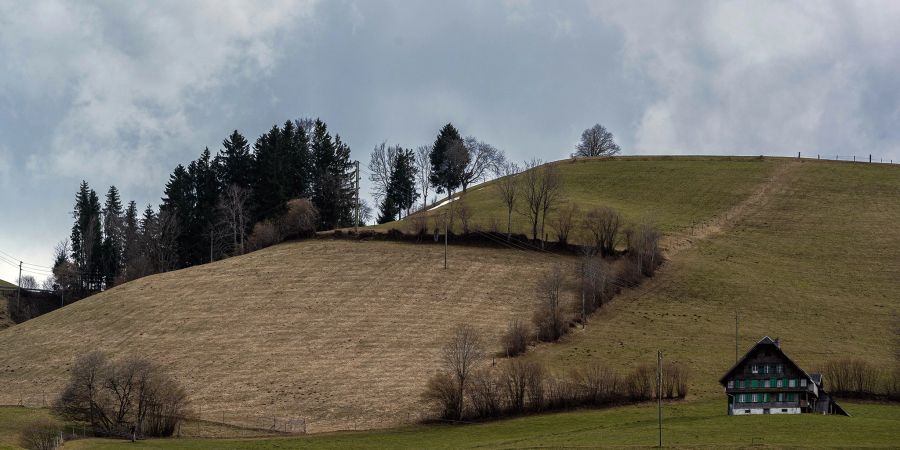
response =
{"points": [[870, 157], [854, 158]]}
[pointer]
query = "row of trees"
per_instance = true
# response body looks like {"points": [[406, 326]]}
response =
{"points": [[210, 206], [401, 176], [466, 387]]}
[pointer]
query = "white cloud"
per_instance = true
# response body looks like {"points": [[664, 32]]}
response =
{"points": [[129, 74], [762, 77]]}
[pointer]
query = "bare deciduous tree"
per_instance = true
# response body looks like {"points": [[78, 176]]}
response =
{"points": [[516, 338], [464, 213], [236, 215], [461, 355], [603, 225], [597, 141], [541, 190], [381, 165], [423, 171], [550, 318], [643, 247], [484, 159], [565, 220], [28, 282], [508, 186]]}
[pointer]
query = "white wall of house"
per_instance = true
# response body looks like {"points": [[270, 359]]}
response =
{"points": [[752, 411]]}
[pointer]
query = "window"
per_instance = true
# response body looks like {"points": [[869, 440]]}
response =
{"points": [[780, 397], [765, 383], [754, 368], [730, 384], [779, 368], [766, 368], [803, 382], [784, 410], [754, 398], [792, 383], [778, 383]]}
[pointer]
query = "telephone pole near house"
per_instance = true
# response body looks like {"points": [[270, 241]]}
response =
{"points": [[356, 224], [735, 336]]}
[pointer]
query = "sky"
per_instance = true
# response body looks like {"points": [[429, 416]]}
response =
{"points": [[119, 93]]}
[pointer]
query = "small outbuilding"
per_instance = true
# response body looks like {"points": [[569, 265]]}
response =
{"points": [[767, 381]]}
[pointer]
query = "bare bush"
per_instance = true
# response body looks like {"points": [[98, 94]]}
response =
{"points": [[515, 379], [516, 339], [597, 285], [41, 434], [673, 380], [564, 222], [464, 213], [560, 393], [643, 247], [639, 384], [598, 384], [603, 225], [443, 393], [852, 377], [300, 220], [417, 224], [485, 394], [461, 356], [265, 234], [116, 396]]}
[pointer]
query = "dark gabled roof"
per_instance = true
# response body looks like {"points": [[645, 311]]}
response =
{"points": [[764, 341], [816, 378]]}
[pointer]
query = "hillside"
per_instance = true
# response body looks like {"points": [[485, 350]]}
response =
{"points": [[6, 284], [339, 333], [343, 333]]}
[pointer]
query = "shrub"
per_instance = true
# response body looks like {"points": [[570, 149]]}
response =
{"points": [[417, 224], [300, 219], [640, 383], [265, 234], [551, 319], [114, 396], [443, 394], [598, 384], [674, 380], [852, 377], [603, 225], [643, 247], [485, 394], [516, 339], [41, 434], [515, 379]]}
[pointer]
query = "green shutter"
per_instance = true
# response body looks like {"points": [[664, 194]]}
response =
{"points": [[754, 384], [772, 383]]}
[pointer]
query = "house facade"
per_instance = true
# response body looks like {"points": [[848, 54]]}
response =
{"points": [[767, 381]]}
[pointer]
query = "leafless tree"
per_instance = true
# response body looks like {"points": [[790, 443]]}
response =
{"points": [[381, 165], [508, 186], [551, 187], [550, 318], [423, 171], [28, 282], [603, 225], [643, 247], [484, 159], [516, 378], [564, 222], [235, 213], [461, 355], [596, 278], [516, 338], [597, 141], [485, 393], [462, 210], [541, 190]]}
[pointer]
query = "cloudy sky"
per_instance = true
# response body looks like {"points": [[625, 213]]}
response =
{"points": [[120, 92]]}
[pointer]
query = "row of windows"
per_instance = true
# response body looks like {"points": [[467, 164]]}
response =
{"points": [[763, 398], [767, 368], [768, 383]]}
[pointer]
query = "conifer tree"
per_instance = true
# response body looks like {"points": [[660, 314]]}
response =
{"points": [[130, 239], [113, 237], [448, 160], [204, 217], [270, 194], [235, 162], [179, 203]]}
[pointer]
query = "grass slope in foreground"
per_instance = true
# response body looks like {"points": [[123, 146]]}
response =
{"points": [[697, 424]]}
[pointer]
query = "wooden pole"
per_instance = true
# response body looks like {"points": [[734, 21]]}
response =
{"points": [[357, 199], [659, 394]]}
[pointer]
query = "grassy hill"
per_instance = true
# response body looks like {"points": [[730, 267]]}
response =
{"points": [[6, 284], [343, 333]]}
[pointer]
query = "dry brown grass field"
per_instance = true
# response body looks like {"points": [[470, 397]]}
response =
{"points": [[340, 333]]}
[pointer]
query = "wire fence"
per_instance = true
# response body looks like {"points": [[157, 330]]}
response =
{"points": [[868, 158]]}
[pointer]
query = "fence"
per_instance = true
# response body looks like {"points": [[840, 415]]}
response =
{"points": [[868, 159]]}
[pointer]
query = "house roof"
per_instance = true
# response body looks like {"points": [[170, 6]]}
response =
{"points": [[765, 341]]}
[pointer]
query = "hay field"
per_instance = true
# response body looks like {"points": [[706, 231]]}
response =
{"points": [[343, 334]]}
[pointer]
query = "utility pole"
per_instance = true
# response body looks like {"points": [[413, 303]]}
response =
{"points": [[735, 336], [659, 394], [19, 287], [356, 224], [446, 232]]}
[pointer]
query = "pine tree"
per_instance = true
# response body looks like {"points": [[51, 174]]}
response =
{"points": [[270, 194], [388, 210], [343, 172], [448, 160], [114, 239], [333, 187], [130, 236], [401, 191], [298, 161], [179, 203], [205, 211], [235, 162]]}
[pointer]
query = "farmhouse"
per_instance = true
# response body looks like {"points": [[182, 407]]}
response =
{"points": [[766, 381]]}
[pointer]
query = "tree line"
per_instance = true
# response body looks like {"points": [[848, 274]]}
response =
{"points": [[212, 207], [400, 176]]}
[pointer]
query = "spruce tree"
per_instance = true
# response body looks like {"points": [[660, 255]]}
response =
{"points": [[448, 160], [269, 191], [324, 184], [179, 203], [114, 238], [205, 214], [130, 238], [235, 162]]}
